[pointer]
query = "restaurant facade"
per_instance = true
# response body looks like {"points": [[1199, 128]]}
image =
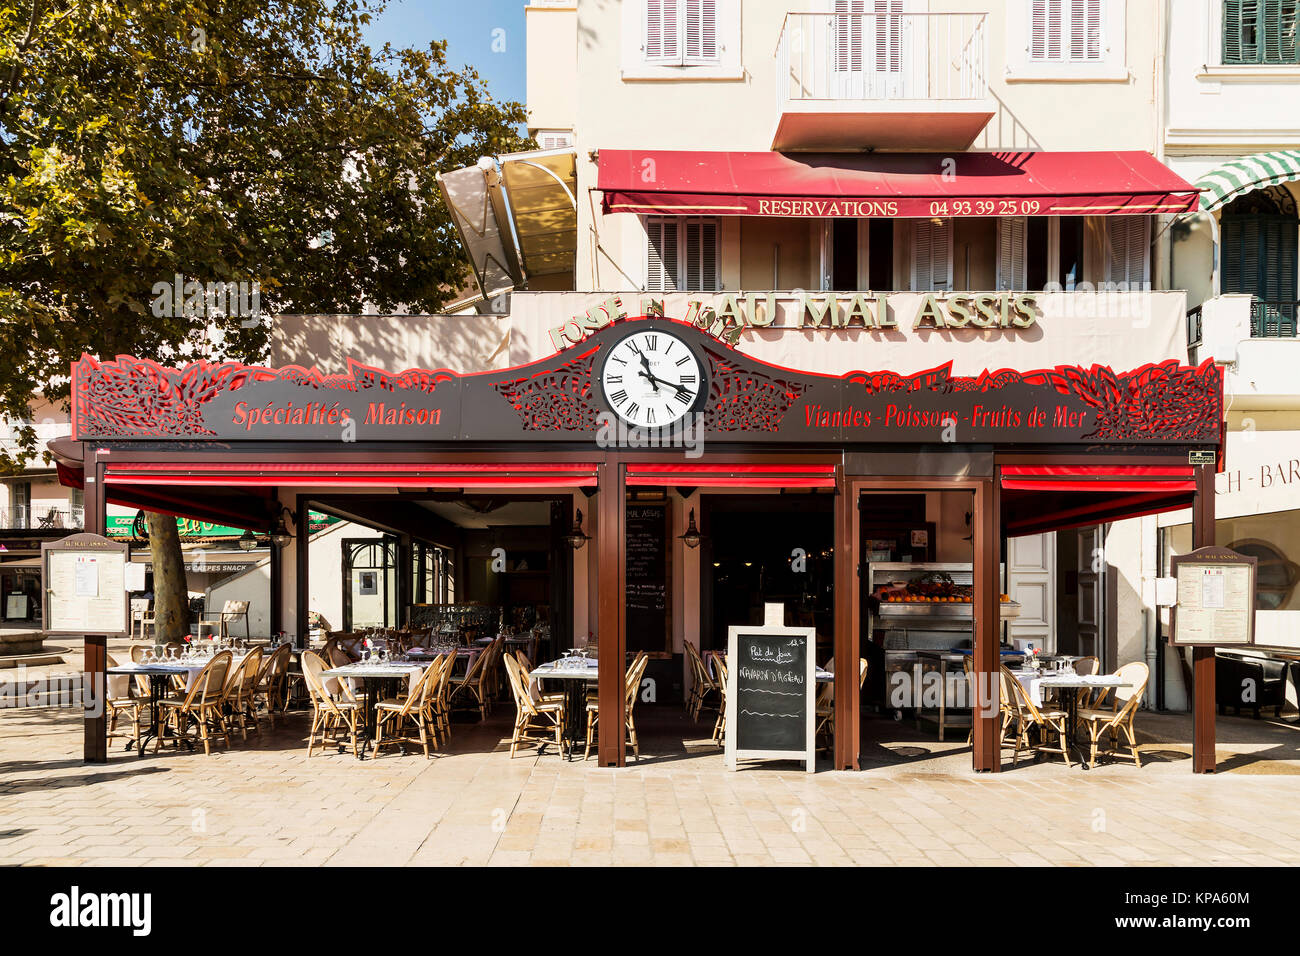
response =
{"points": [[879, 336]]}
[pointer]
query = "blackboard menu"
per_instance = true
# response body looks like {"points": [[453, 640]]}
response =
{"points": [[646, 577], [771, 693]]}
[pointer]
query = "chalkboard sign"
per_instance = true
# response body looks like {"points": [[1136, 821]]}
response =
{"points": [[646, 577], [771, 694]]}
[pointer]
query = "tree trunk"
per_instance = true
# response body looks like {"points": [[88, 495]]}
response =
{"points": [[171, 601]]}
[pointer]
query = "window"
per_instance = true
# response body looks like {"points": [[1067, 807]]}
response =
{"points": [[680, 40], [1127, 241], [682, 254], [681, 32], [1011, 253], [1258, 255], [932, 255], [880, 254], [1069, 269], [1067, 40], [554, 138], [22, 509], [1260, 31], [1066, 31]]}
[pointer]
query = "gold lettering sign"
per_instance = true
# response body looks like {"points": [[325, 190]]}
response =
{"points": [[726, 315]]}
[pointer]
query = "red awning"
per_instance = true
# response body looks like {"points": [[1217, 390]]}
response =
{"points": [[733, 476], [1039, 498], [503, 475], [1143, 479], [887, 185]]}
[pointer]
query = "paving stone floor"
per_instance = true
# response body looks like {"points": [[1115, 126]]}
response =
{"points": [[915, 802]]}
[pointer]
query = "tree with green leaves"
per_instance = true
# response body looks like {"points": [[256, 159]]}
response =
{"points": [[261, 143]]}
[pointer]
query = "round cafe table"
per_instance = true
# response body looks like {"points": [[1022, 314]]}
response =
{"points": [[375, 680], [577, 679]]}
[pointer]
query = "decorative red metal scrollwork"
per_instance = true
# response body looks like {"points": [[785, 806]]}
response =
{"points": [[554, 399], [742, 400], [132, 397], [1166, 400]]}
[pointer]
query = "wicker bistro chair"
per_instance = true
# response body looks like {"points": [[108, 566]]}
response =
{"points": [[272, 685], [241, 689], [440, 701], [1119, 719], [536, 722], [477, 684], [328, 715], [702, 684], [1028, 715], [1006, 713], [120, 700], [201, 707], [826, 705], [720, 725], [632, 683], [412, 709]]}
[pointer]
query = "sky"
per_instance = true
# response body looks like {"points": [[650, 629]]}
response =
{"points": [[485, 34]]}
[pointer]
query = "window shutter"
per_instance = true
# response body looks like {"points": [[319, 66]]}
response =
{"points": [[702, 255], [554, 139], [931, 256], [662, 31], [1126, 251], [701, 31], [848, 35], [661, 267], [1012, 258], [889, 36], [1066, 31], [1260, 31]]}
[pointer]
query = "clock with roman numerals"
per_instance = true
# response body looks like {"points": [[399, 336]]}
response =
{"points": [[651, 378]]}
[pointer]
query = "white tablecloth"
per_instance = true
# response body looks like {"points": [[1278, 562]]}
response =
{"points": [[1035, 682]]}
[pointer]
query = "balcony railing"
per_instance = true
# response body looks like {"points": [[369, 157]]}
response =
{"points": [[38, 518], [882, 56], [1273, 318]]}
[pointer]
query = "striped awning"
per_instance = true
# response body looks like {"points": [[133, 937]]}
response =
{"points": [[1224, 184]]}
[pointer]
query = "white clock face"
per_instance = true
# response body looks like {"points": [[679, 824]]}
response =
{"points": [[651, 379]]}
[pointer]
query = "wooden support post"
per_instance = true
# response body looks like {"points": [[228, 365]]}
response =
{"points": [[1203, 692], [987, 751], [302, 568], [94, 679], [847, 616], [94, 691], [610, 619]]}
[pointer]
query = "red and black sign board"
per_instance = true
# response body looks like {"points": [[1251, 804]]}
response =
{"points": [[563, 398]]}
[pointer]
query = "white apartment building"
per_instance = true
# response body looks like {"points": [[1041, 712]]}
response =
{"points": [[1229, 125], [665, 125]]}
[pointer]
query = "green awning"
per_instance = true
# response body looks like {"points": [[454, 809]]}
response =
{"points": [[1224, 184]]}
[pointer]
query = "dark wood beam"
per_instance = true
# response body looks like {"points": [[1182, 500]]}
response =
{"points": [[610, 617], [1203, 691]]}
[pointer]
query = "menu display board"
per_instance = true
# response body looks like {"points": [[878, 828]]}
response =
{"points": [[771, 694], [85, 585], [646, 577], [1215, 599]]}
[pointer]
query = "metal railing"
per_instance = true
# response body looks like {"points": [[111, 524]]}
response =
{"points": [[37, 518], [882, 56], [1273, 318], [1193, 335]]}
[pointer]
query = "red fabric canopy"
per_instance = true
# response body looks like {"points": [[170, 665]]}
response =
{"points": [[733, 476], [685, 183], [1038, 498], [1144, 479], [502, 475]]}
